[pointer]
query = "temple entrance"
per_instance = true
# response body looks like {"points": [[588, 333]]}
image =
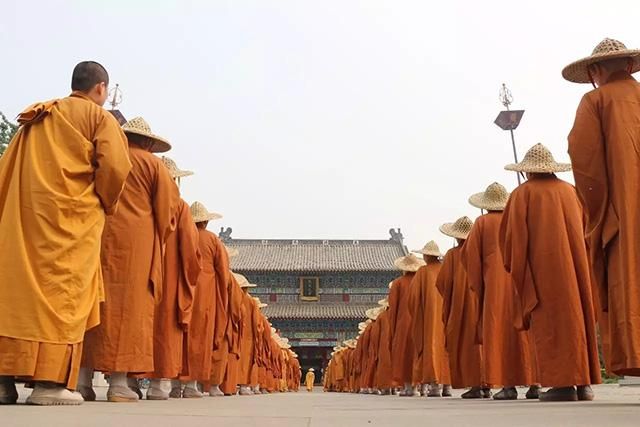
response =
{"points": [[313, 357]]}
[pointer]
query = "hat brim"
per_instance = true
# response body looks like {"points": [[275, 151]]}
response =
{"points": [[448, 230], [402, 264], [577, 71], [428, 252], [528, 168], [480, 201], [211, 216], [248, 285], [181, 174], [160, 145]]}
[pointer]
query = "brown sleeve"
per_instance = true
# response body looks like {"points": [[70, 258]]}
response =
{"points": [[190, 264], [416, 308], [444, 284], [166, 200], [112, 161], [472, 257]]}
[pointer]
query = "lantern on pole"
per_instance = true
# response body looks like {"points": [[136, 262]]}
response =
{"points": [[509, 119]]}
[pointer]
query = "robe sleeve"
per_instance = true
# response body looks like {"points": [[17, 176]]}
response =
{"points": [[166, 200], [112, 162], [514, 242], [416, 308], [472, 260], [394, 307], [190, 265], [444, 284]]}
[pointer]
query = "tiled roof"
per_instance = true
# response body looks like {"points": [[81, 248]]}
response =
{"points": [[316, 311], [315, 255]]}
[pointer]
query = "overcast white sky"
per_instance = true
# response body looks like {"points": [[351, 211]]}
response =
{"points": [[324, 119]]}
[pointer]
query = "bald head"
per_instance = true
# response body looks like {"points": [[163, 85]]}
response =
{"points": [[92, 79]]}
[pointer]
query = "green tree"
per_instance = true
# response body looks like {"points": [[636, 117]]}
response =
{"points": [[7, 130]]}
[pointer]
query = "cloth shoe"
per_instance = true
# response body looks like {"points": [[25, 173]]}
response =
{"points": [[446, 390], [507, 393], [53, 394], [87, 393], [585, 392], [559, 394], [245, 391], [533, 392], [473, 393], [8, 391], [215, 391], [176, 393], [121, 394], [191, 393], [256, 390], [433, 390], [155, 393]]}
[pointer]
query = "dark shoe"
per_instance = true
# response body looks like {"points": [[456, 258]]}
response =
{"points": [[473, 393], [176, 393], [559, 394], [87, 393], [533, 392], [8, 392], [486, 393], [507, 393], [433, 390], [585, 392], [446, 390]]}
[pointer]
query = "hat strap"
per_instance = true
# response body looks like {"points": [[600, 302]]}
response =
{"points": [[591, 76]]}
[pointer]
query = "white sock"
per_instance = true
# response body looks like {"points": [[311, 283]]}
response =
{"points": [[192, 384], [118, 379]]}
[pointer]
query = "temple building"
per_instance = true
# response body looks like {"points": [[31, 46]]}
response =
{"points": [[317, 290]]}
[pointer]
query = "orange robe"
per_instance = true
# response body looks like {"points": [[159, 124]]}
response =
{"points": [[247, 343], [64, 169], [370, 355], [182, 267], [384, 365], [604, 145], [402, 338], [506, 352], [542, 243], [221, 332], [460, 315], [132, 256], [231, 379], [431, 361], [215, 267]]}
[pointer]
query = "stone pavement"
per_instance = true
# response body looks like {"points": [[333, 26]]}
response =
{"points": [[615, 406]]}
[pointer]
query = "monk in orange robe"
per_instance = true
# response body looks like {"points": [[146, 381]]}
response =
{"points": [[258, 369], [230, 381], [172, 316], [402, 346], [506, 351], [247, 345], [215, 268], [62, 173], [430, 361], [132, 255], [544, 217], [383, 367], [603, 146], [461, 314]]}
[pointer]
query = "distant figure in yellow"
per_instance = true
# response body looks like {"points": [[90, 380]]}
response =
{"points": [[310, 379], [60, 177]]}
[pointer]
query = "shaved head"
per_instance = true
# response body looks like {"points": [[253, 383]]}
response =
{"points": [[87, 74]]}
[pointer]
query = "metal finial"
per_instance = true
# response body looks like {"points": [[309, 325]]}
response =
{"points": [[116, 97], [506, 98]]}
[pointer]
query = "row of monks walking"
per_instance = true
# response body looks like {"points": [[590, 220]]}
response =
{"points": [[106, 268], [527, 289]]}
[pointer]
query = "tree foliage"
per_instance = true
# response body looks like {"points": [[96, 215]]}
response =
{"points": [[7, 130]]}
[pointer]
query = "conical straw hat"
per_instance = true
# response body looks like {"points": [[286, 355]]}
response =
{"points": [[431, 248], [384, 303], [138, 126], [459, 229], [539, 160], [577, 71], [174, 170], [494, 198], [242, 281], [260, 303], [200, 214], [410, 263], [372, 313]]}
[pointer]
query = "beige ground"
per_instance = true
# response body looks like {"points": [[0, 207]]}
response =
{"points": [[615, 406]]}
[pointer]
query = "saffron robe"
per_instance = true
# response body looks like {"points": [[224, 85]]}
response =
{"points": [[542, 243], [460, 315], [63, 171], [604, 145], [247, 344], [505, 349], [384, 362], [132, 256], [231, 373], [402, 338], [430, 361]]}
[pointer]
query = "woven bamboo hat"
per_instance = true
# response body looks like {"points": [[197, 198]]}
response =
{"points": [[174, 170], [138, 126], [242, 281], [384, 303], [200, 214], [260, 303], [431, 248], [577, 71], [459, 229], [539, 160], [372, 313], [494, 198], [410, 263], [391, 284]]}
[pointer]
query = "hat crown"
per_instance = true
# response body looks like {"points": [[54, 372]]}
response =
{"points": [[496, 192], [169, 163], [431, 246], [198, 210], [463, 225], [539, 154], [137, 124], [607, 46]]}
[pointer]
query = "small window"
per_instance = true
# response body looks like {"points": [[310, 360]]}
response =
{"points": [[309, 288]]}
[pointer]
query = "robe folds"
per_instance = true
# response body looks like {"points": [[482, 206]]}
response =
{"points": [[604, 145], [460, 314], [402, 338], [221, 332], [383, 378], [215, 268], [431, 361], [232, 365], [543, 247], [173, 315], [247, 343], [370, 355], [63, 171], [506, 351]]}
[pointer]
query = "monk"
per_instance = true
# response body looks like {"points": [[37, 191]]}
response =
{"points": [[172, 316], [400, 323], [62, 173], [258, 345], [383, 366], [544, 217], [430, 360], [460, 314], [230, 381], [310, 379], [247, 336], [603, 146], [506, 352], [132, 254]]}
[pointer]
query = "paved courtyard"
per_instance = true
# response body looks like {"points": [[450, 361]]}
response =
{"points": [[615, 406]]}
